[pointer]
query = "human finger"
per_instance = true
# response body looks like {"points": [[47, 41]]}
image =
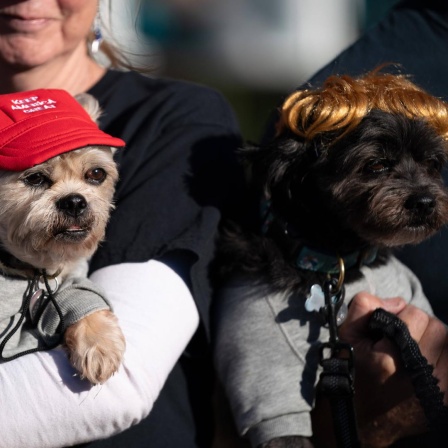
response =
{"points": [[432, 337], [416, 320], [359, 312]]}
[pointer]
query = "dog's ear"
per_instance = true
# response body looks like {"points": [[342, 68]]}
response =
{"points": [[90, 104], [92, 107], [276, 163]]}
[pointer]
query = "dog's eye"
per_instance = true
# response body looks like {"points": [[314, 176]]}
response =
{"points": [[378, 166], [434, 164], [36, 180], [95, 175]]}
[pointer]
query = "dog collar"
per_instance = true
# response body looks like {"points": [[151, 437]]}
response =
{"points": [[10, 261], [308, 258], [311, 259]]}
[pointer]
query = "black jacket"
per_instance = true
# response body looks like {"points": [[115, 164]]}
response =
{"points": [[178, 175]]}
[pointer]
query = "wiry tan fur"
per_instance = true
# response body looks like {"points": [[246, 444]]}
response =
{"points": [[96, 346], [32, 229]]}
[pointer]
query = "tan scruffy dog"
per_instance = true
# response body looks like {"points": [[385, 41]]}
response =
{"points": [[53, 215]]}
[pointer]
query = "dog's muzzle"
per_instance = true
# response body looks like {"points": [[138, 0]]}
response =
{"points": [[421, 204]]}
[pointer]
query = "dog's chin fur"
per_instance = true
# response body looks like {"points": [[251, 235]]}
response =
{"points": [[35, 230], [339, 198]]}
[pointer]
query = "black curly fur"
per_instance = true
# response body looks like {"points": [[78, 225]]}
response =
{"points": [[371, 188]]}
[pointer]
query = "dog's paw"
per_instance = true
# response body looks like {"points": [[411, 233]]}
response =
{"points": [[96, 346], [288, 442]]}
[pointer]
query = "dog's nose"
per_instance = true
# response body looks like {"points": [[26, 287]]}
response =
{"points": [[421, 203], [72, 204]]}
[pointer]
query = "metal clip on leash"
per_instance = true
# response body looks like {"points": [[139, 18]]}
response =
{"points": [[336, 359]]}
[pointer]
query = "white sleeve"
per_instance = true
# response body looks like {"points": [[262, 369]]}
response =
{"points": [[44, 405]]}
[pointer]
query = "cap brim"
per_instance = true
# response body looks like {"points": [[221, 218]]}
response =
{"points": [[37, 144]]}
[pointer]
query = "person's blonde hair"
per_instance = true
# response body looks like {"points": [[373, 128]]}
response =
{"points": [[342, 102], [116, 56]]}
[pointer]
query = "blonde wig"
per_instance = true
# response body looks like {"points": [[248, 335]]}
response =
{"points": [[343, 101]]}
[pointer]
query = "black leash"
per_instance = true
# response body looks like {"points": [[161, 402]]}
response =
{"points": [[420, 371], [337, 377]]}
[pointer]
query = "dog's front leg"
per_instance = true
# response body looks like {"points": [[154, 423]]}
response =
{"points": [[96, 346]]}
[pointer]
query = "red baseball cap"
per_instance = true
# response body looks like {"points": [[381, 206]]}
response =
{"points": [[37, 125]]}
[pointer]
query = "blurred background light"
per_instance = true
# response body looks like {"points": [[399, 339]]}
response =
{"points": [[253, 51]]}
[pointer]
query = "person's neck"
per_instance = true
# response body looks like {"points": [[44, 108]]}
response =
{"points": [[75, 74]]}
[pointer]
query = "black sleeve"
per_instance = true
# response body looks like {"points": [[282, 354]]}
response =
{"points": [[413, 36], [178, 175]]}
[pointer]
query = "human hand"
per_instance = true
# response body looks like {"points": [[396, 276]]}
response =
{"points": [[385, 402], [386, 406]]}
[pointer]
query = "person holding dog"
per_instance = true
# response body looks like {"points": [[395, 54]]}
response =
{"points": [[177, 176]]}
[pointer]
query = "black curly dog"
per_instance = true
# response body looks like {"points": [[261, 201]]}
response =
{"points": [[354, 171]]}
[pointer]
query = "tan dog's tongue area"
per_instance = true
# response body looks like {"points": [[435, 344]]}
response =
{"points": [[72, 233]]}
